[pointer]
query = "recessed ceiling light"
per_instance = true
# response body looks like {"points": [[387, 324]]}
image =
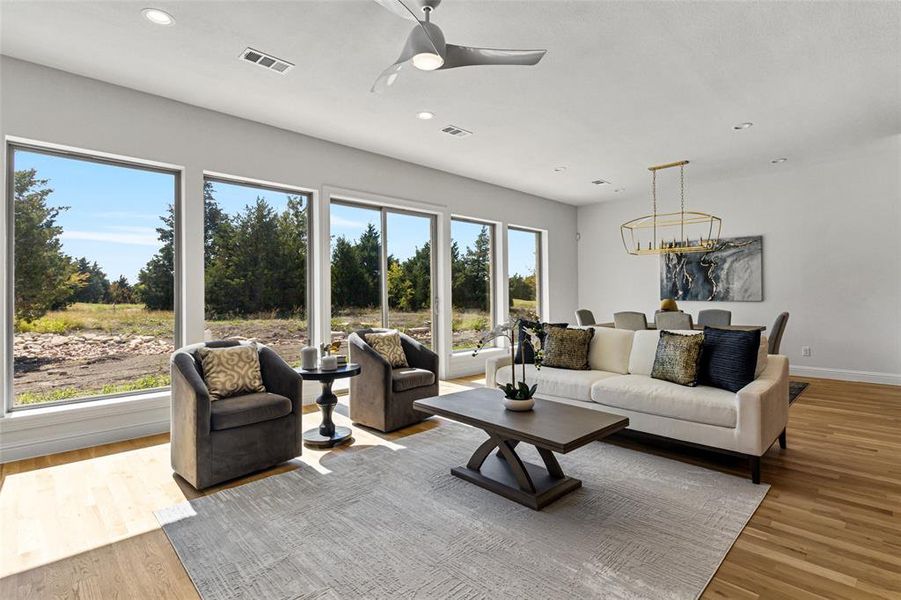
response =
{"points": [[741, 126], [601, 182], [425, 115], [559, 169], [778, 161], [158, 17]]}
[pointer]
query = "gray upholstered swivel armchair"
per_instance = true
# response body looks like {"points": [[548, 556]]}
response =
{"points": [[216, 441], [382, 397]]}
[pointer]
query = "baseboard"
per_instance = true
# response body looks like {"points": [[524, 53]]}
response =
{"points": [[77, 441], [847, 375]]}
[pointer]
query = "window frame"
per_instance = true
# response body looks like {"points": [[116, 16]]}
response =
{"points": [[13, 145], [383, 210], [279, 189], [539, 268], [493, 270]]}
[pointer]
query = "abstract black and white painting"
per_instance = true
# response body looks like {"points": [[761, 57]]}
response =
{"points": [[731, 272]]}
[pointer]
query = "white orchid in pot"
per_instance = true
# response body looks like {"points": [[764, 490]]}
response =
{"points": [[517, 394]]}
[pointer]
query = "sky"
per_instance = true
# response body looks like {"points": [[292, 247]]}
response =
{"points": [[114, 212]]}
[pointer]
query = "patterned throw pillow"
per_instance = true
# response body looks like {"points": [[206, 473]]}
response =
{"points": [[525, 351], [388, 345], [231, 371], [677, 358], [567, 348]]}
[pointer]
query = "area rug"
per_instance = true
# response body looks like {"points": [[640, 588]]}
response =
{"points": [[394, 523], [795, 389]]}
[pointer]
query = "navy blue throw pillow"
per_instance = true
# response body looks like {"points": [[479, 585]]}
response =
{"points": [[526, 350], [728, 358]]}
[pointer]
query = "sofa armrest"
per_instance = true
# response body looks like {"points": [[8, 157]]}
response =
{"points": [[279, 378], [763, 407], [491, 367], [418, 355]]}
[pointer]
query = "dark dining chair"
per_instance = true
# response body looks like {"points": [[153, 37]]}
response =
{"points": [[585, 317], [775, 339], [715, 317], [630, 320]]}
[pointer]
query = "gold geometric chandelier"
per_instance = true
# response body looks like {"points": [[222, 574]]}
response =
{"points": [[669, 233]]}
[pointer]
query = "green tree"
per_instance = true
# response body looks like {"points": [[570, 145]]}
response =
{"points": [[156, 281], [45, 277], [121, 292], [96, 285], [291, 269], [349, 277]]}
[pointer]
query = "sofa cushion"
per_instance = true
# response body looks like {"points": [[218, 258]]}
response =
{"points": [[564, 383], [644, 394], [610, 350], [644, 349], [729, 358], [567, 348], [238, 411], [407, 378], [762, 353]]}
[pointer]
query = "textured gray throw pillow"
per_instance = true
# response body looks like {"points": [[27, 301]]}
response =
{"points": [[567, 348], [678, 358]]}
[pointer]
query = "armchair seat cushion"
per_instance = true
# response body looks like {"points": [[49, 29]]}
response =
{"points": [[247, 409], [408, 378]]}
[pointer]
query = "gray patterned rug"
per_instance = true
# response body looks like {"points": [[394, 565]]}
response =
{"points": [[394, 523]]}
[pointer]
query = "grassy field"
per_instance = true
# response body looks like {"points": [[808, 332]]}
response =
{"points": [[116, 319], [69, 372]]}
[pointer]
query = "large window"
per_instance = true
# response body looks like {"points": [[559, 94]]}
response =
{"points": [[472, 252], [93, 289], [256, 264], [524, 269], [381, 271]]}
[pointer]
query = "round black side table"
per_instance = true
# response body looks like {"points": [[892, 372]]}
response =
{"points": [[327, 434]]}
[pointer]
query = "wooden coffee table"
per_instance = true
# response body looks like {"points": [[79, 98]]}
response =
{"points": [[550, 427]]}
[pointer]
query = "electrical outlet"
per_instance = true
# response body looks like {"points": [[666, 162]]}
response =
{"points": [[805, 350]]}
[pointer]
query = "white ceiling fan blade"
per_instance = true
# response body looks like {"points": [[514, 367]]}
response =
{"points": [[398, 8], [465, 56], [387, 78]]}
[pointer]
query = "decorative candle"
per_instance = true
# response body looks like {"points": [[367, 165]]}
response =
{"points": [[328, 363], [308, 357]]}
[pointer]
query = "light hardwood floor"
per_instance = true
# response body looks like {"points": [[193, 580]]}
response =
{"points": [[81, 524]]}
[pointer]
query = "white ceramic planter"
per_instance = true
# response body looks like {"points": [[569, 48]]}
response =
{"points": [[519, 405]]}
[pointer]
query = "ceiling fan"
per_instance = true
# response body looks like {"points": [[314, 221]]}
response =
{"points": [[427, 50]]}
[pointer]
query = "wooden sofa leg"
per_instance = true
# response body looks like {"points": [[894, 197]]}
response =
{"points": [[754, 462], [782, 440]]}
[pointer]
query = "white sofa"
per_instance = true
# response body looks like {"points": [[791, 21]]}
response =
{"points": [[746, 422]]}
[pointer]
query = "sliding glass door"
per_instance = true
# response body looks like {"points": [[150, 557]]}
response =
{"points": [[409, 274], [381, 271]]}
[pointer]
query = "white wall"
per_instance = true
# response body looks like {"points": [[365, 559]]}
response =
{"points": [[831, 257], [48, 105]]}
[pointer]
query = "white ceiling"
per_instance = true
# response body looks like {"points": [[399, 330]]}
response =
{"points": [[624, 84]]}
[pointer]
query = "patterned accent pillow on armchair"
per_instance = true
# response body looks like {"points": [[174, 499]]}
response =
{"points": [[387, 343], [231, 371]]}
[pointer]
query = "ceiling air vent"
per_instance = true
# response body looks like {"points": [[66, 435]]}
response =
{"points": [[267, 61], [456, 131], [601, 182]]}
